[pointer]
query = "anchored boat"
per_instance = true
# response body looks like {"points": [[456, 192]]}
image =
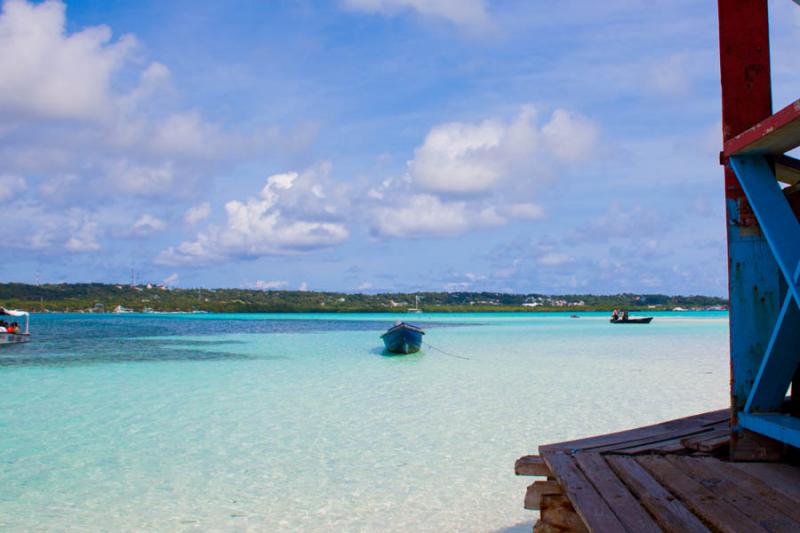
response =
{"points": [[403, 338], [11, 332], [642, 320]]}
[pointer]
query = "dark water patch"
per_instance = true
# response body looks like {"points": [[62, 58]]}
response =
{"points": [[47, 327], [62, 340], [105, 356]]}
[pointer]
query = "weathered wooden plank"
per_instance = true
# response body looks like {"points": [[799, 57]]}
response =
{"points": [[779, 476], [672, 445], [588, 503], [668, 441], [773, 510], [669, 429], [531, 465], [708, 442], [627, 508], [670, 513], [536, 490], [558, 515], [709, 506]]}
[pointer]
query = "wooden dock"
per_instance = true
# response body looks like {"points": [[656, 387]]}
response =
{"points": [[673, 476]]}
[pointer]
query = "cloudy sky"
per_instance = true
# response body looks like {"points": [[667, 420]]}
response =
{"points": [[512, 145]]}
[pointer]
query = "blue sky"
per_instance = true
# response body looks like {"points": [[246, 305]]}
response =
{"points": [[369, 145]]}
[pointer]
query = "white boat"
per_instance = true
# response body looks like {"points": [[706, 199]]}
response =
{"points": [[122, 309], [416, 308], [11, 332]]}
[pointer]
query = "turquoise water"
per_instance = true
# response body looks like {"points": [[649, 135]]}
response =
{"points": [[299, 423]]}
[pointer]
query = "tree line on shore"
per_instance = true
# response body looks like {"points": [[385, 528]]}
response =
{"points": [[101, 297]]}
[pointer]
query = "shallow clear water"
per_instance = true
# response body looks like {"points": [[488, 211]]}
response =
{"points": [[299, 423]]}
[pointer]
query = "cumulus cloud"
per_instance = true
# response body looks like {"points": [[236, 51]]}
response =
{"points": [[483, 174], [197, 213], [463, 158], [147, 225], [11, 186], [471, 14], [89, 115], [260, 225], [52, 74], [421, 215]]}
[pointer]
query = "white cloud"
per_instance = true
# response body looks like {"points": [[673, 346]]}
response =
{"points": [[569, 135], [260, 226], [49, 73], [83, 229], [478, 175], [459, 158], [421, 215], [80, 102], [463, 158], [147, 225], [364, 286], [171, 280], [270, 285], [197, 213], [467, 13], [11, 186], [303, 287]]}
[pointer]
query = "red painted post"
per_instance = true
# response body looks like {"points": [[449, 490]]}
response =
{"points": [[754, 279]]}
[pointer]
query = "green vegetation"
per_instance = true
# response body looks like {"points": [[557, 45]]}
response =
{"points": [[101, 297]]}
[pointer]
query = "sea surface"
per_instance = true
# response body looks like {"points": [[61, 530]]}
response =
{"points": [[300, 423]]}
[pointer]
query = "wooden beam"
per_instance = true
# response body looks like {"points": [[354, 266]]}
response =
{"points": [[783, 428], [774, 135], [708, 442], [754, 288], [537, 489], [787, 169], [531, 465]]}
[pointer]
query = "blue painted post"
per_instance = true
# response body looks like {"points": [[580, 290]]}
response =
{"points": [[754, 279]]}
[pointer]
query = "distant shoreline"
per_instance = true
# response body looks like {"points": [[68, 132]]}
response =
{"points": [[433, 311], [104, 298]]}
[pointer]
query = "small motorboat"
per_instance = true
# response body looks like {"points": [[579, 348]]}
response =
{"points": [[12, 333], [403, 338], [642, 320]]}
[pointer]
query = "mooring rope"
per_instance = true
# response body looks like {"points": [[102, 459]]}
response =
{"points": [[445, 352]]}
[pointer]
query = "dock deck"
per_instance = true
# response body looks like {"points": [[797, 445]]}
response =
{"points": [[672, 476]]}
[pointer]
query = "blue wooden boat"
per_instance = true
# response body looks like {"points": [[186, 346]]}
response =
{"points": [[403, 338]]}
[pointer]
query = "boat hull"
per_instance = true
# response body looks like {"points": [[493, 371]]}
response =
{"points": [[13, 338], [403, 339], [644, 320]]}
